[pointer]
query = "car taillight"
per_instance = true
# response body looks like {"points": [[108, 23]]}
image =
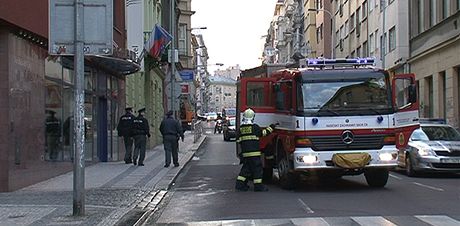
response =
{"points": [[389, 139], [302, 142]]}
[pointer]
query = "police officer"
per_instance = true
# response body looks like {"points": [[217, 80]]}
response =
{"points": [[248, 138], [125, 127], [171, 130], [53, 134], [141, 129]]}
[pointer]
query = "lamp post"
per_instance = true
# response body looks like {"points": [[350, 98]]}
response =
{"points": [[332, 25]]}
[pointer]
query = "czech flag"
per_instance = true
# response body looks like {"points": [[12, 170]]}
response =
{"points": [[159, 39]]}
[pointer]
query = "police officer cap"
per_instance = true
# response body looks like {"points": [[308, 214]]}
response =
{"points": [[169, 113], [128, 108], [141, 110]]}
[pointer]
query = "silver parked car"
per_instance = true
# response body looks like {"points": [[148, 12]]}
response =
{"points": [[435, 147]]}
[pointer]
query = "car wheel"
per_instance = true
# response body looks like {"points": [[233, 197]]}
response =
{"points": [[410, 171], [376, 177]]}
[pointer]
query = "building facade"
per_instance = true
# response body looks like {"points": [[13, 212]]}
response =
{"points": [[232, 72], [37, 96], [221, 93], [434, 57], [145, 88]]}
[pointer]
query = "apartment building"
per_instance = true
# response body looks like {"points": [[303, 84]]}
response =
{"points": [[434, 57]]}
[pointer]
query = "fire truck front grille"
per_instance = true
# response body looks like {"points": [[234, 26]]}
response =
{"points": [[336, 143]]}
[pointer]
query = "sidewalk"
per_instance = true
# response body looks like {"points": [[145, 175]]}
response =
{"points": [[112, 190]]}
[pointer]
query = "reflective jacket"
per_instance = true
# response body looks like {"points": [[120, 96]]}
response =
{"points": [[248, 137]]}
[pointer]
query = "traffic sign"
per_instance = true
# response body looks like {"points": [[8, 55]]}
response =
{"points": [[98, 27]]}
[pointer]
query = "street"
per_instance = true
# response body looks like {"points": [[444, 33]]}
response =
{"points": [[204, 193]]}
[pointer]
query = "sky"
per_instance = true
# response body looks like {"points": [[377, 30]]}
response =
{"points": [[234, 30]]}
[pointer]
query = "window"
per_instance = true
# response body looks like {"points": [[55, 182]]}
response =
{"points": [[352, 55], [352, 22], [371, 43], [382, 5], [358, 52], [442, 94], [364, 7], [183, 39], [392, 38], [342, 33], [283, 97], [445, 8], [433, 18], [376, 36], [371, 5], [358, 22], [402, 92], [258, 94], [365, 49], [347, 27], [420, 16], [428, 108]]}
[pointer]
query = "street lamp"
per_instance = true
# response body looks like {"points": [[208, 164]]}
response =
{"points": [[332, 25]]}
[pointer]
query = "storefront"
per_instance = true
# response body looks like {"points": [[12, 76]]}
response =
{"points": [[36, 108]]}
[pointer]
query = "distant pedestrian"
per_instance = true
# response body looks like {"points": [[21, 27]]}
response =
{"points": [[53, 134], [141, 129], [171, 130], [125, 130]]}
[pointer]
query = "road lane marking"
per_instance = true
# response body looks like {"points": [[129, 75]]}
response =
{"points": [[372, 221], [306, 208], [439, 220], [396, 177], [316, 221], [428, 186]]}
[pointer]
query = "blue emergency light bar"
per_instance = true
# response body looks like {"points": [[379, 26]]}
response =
{"points": [[323, 62]]}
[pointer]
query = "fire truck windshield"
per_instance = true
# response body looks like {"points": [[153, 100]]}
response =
{"points": [[346, 96]]}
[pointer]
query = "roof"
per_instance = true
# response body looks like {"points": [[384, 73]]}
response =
{"points": [[221, 80]]}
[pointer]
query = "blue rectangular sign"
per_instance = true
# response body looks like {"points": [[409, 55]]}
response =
{"points": [[186, 75]]}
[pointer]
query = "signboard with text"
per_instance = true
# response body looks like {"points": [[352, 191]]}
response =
{"points": [[98, 27]]}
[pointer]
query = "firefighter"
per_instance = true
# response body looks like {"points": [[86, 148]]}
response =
{"points": [[125, 127], [248, 138], [141, 129]]}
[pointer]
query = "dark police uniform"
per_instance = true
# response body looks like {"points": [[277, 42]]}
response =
{"points": [[141, 129], [248, 138], [53, 133], [125, 127], [171, 131]]}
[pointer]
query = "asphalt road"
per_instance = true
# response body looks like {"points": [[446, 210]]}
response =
{"points": [[205, 192]]}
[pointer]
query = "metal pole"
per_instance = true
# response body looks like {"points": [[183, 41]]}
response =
{"points": [[79, 112], [173, 54]]}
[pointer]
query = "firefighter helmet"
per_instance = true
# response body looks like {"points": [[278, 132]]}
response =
{"points": [[249, 114]]}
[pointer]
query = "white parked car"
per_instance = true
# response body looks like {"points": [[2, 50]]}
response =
{"points": [[211, 116]]}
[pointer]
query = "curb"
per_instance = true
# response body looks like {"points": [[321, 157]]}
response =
{"points": [[149, 203]]}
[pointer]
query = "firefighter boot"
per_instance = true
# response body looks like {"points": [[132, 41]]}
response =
{"points": [[260, 187], [241, 186]]}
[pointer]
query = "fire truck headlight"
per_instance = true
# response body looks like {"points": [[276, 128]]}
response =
{"points": [[387, 156], [309, 159]]}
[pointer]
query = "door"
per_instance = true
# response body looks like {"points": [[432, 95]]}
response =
{"points": [[406, 104]]}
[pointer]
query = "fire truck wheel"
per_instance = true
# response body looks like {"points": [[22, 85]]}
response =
{"points": [[376, 177], [287, 180]]}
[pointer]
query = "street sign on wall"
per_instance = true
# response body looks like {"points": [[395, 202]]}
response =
{"points": [[186, 75], [98, 27]]}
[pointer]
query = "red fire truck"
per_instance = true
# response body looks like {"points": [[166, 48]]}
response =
{"points": [[336, 117]]}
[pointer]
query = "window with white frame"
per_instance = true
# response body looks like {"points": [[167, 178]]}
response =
{"points": [[182, 39], [392, 39]]}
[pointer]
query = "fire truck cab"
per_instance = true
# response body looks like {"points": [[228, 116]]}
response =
{"points": [[336, 117]]}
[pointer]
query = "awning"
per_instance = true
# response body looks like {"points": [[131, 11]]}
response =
{"points": [[116, 65]]}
